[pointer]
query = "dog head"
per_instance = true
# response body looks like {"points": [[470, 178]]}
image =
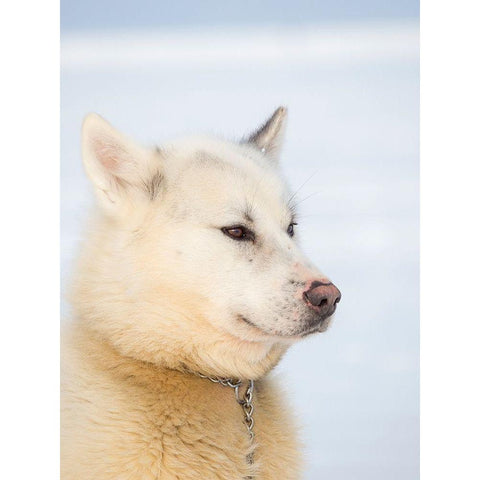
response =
{"points": [[193, 259]]}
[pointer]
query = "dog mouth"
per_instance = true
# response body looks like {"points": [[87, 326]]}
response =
{"points": [[248, 322]]}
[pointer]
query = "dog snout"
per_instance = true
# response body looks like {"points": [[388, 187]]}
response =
{"points": [[323, 297]]}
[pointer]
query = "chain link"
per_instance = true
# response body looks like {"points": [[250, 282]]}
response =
{"points": [[246, 402]]}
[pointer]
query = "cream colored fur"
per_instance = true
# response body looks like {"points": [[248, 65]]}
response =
{"points": [[161, 292]]}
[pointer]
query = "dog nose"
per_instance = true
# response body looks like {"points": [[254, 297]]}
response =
{"points": [[322, 297]]}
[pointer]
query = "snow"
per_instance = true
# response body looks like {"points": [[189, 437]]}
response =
{"points": [[352, 92]]}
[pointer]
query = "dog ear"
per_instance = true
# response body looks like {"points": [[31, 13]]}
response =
{"points": [[118, 168], [269, 137]]}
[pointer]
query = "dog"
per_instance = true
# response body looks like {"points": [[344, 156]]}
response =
{"points": [[189, 289]]}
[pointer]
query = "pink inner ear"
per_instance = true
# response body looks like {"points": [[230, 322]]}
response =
{"points": [[108, 154]]}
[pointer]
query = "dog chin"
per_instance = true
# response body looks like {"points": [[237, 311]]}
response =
{"points": [[288, 336], [320, 327]]}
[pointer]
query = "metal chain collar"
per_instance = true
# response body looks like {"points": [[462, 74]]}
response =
{"points": [[245, 402]]}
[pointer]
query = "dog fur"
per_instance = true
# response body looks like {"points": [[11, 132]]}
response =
{"points": [[162, 293]]}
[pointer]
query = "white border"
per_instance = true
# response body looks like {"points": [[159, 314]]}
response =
{"points": [[450, 393], [29, 197], [450, 240]]}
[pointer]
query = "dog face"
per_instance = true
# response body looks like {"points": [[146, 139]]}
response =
{"points": [[200, 236]]}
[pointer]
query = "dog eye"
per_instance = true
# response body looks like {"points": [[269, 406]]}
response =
{"points": [[291, 230], [238, 232]]}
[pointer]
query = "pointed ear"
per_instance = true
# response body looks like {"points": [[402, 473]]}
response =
{"points": [[269, 137], [118, 168]]}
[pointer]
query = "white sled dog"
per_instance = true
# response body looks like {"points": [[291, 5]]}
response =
{"points": [[189, 290]]}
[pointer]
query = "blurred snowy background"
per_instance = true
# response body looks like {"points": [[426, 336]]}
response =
{"points": [[349, 74]]}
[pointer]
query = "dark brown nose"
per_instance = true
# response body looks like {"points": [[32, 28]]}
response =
{"points": [[322, 297]]}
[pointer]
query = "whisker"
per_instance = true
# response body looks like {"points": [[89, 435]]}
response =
{"points": [[301, 186], [306, 198]]}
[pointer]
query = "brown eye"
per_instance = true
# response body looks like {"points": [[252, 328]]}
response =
{"points": [[238, 232], [291, 230]]}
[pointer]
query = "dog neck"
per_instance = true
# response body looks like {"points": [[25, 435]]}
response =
{"points": [[243, 361]]}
